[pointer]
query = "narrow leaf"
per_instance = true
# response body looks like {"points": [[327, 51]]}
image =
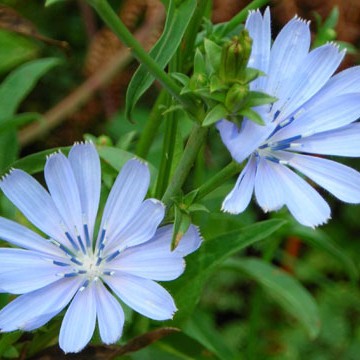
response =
{"points": [[211, 254], [284, 289], [215, 114], [177, 21]]}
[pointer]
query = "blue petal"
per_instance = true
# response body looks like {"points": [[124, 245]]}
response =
{"points": [[260, 32], [268, 190], [79, 321], [239, 197], [27, 194], [288, 53], [110, 315], [242, 142], [190, 241], [329, 115], [310, 76], [345, 82], [139, 229], [34, 309], [340, 180], [63, 188], [304, 203], [23, 271], [85, 164], [340, 142], [126, 196], [144, 296], [19, 235]]}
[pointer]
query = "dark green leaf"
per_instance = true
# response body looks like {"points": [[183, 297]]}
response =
{"points": [[18, 84], [178, 18], [213, 55], [252, 115], [215, 114], [256, 98], [285, 289], [211, 254], [18, 120]]}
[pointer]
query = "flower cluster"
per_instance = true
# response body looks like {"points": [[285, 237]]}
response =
{"points": [[314, 114], [75, 267]]}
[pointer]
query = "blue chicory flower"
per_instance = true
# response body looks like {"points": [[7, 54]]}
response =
{"points": [[314, 114], [130, 251]]}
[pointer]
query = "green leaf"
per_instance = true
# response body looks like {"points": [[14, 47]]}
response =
{"points": [[7, 340], [181, 78], [256, 98], [182, 222], [203, 330], [215, 114], [18, 84], [51, 2], [322, 241], [187, 289], [199, 63], [252, 115], [177, 21], [213, 55], [284, 289], [18, 120], [18, 49]]}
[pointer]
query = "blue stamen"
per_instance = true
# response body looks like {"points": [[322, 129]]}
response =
{"points": [[81, 244], [276, 115], [66, 250], [112, 256], [99, 260], [87, 235], [102, 237], [76, 261], [84, 286], [73, 243], [71, 274], [59, 263], [273, 159]]}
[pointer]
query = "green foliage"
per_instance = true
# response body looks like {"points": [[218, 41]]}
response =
{"points": [[177, 20]]}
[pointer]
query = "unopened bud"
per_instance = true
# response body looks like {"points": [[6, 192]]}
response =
{"points": [[235, 56]]}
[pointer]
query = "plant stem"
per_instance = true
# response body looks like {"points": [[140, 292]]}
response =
{"points": [[220, 178], [196, 139], [152, 124], [108, 15]]}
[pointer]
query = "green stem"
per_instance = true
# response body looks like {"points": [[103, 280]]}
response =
{"points": [[220, 178], [151, 127], [108, 15], [196, 139], [171, 123]]}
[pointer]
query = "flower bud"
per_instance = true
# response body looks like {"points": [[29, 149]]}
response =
{"points": [[235, 56]]}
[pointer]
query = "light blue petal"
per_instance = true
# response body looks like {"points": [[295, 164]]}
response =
{"points": [[85, 164], [268, 188], [239, 197], [79, 321], [329, 115], [288, 53], [125, 197], [63, 188], [19, 235], [146, 262], [241, 143], [139, 229], [340, 142], [304, 203], [34, 309], [190, 241], [260, 32], [23, 271], [34, 202], [310, 76], [340, 180], [154, 259], [110, 315], [345, 82], [144, 296]]}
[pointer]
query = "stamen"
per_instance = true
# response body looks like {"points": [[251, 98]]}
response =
{"points": [[273, 159], [102, 237], [99, 260], [73, 243], [71, 274], [59, 263], [84, 286], [110, 273], [87, 235], [76, 261], [112, 256], [81, 244]]}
